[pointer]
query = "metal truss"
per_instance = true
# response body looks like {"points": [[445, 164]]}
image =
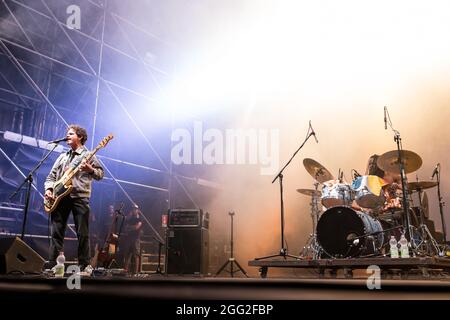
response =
{"points": [[79, 69]]}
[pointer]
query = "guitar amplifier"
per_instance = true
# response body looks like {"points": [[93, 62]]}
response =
{"points": [[188, 218]]}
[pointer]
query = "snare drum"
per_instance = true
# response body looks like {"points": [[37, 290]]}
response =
{"points": [[336, 194], [368, 191]]}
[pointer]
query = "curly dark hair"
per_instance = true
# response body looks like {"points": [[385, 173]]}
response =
{"points": [[372, 167], [80, 131]]}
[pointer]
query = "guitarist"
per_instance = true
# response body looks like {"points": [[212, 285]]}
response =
{"points": [[77, 201]]}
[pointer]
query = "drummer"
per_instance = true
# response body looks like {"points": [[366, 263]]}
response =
{"points": [[391, 188]]}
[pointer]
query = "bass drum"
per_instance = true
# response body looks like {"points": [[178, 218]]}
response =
{"points": [[338, 230]]}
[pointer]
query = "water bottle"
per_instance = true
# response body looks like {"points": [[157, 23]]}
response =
{"points": [[394, 247], [59, 268], [404, 248]]}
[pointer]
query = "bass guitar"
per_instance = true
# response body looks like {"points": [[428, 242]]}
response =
{"points": [[63, 186]]}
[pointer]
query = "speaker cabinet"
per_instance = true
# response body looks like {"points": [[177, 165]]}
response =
{"points": [[187, 251], [17, 256]]}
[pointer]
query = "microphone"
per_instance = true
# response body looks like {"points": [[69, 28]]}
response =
{"points": [[435, 171], [385, 118], [355, 174], [59, 140], [313, 132]]}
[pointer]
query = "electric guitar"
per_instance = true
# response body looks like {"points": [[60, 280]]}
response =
{"points": [[63, 186]]}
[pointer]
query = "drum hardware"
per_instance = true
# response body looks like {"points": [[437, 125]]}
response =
{"points": [[311, 250], [427, 244], [437, 173], [355, 174], [403, 162], [425, 206], [316, 172]]}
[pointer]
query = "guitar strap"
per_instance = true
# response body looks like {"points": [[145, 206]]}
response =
{"points": [[70, 158]]}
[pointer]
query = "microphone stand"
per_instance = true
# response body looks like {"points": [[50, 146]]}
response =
{"points": [[283, 251], [406, 219], [29, 181], [160, 244], [441, 206]]}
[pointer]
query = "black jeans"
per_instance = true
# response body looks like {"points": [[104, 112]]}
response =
{"points": [[80, 210]]}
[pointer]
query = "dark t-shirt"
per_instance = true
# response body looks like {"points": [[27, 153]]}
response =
{"points": [[130, 226]]}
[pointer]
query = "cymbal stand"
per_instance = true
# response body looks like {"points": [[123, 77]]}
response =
{"points": [[441, 204], [406, 218], [427, 242], [312, 247]]}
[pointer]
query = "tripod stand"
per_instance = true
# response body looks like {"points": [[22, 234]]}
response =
{"points": [[312, 247], [283, 250], [231, 260], [427, 243]]}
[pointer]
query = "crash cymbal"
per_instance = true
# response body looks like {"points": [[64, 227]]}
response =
{"points": [[389, 161], [317, 171], [421, 185], [310, 192]]}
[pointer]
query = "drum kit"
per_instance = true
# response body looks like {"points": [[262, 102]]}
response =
{"points": [[357, 219]]}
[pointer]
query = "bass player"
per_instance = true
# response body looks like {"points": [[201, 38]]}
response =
{"points": [[77, 201]]}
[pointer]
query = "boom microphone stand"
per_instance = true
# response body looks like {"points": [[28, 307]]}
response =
{"points": [[283, 251], [29, 181]]}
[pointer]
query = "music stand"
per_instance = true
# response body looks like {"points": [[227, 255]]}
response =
{"points": [[283, 250], [231, 260]]}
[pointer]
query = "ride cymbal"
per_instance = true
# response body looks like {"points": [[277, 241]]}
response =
{"points": [[389, 161]]}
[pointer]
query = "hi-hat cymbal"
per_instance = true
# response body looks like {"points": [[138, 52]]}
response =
{"points": [[317, 171], [389, 161], [310, 192], [421, 185]]}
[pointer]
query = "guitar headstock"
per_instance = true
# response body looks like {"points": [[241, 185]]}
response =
{"points": [[105, 141]]}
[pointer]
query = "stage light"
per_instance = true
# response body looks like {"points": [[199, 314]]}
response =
{"points": [[30, 141]]}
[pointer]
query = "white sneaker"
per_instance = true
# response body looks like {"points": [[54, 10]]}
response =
{"points": [[88, 270]]}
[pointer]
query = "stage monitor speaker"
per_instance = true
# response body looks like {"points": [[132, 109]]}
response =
{"points": [[187, 251], [17, 256]]}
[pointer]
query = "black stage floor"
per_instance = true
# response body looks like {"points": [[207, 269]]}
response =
{"points": [[160, 287]]}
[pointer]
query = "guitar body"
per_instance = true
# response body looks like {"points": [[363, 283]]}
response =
{"points": [[60, 190], [107, 254]]}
